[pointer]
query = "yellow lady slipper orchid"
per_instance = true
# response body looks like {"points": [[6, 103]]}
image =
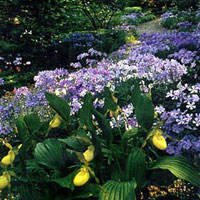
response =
{"points": [[8, 159], [55, 122], [4, 181], [89, 153], [159, 141], [81, 177]]}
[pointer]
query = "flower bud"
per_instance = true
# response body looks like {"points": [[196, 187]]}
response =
{"points": [[81, 177], [55, 122], [89, 153]]}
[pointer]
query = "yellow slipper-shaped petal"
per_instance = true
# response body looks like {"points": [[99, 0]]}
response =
{"points": [[81, 177], [89, 153], [55, 122], [159, 142], [4, 181], [8, 160]]}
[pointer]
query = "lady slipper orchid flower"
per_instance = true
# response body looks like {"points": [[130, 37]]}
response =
{"points": [[81, 177], [4, 180], [158, 140], [89, 153], [55, 122]]}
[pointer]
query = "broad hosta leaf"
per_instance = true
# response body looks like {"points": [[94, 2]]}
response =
{"points": [[53, 154], [136, 167], [104, 125], [180, 167], [113, 190], [59, 105], [144, 111], [109, 102], [86, 112]]}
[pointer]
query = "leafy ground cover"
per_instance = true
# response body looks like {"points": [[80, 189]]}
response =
{"points": [[105, 127]]}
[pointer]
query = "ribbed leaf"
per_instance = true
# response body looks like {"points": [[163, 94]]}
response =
{"points": [[113, 190], [86, 112], [109, 102], [22, 130], [76, 143], [104, 125], [144, 111], [135, 93], [180, 167], [33, 123], [52, 153], [59, 105], [66, 182], [136, 167]]}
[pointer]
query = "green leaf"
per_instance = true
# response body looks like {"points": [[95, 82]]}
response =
{"points": [[53, 154], [76, 143], [135, 93], [180, 167], [59, 105], [32, 123], [86, 112], [86, 192], [104, 125], [66, 182], [113, 190], [130, 133], [22, 130], [144, 111], [136, 167], [109, 102]]}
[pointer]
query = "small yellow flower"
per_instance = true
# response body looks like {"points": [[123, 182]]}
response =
{"points": [[116, 112], [8, 159], [89, 153], [158, 140], [155, 115], [81, 177], [55, 122], [4, 180]]}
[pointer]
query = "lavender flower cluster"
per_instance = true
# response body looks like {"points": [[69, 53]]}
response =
{"points": [[130, 61], [168, 15], [78, 40], [132, 17]]}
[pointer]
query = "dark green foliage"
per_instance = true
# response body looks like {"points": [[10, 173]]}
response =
{"points": [[59, 105], [136, 167], [180, 167], [118, 190], [144, 108], [120, 164]]}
